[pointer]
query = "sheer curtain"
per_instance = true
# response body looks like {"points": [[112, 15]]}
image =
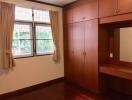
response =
{"points": [[55, 33], [7, 16]]}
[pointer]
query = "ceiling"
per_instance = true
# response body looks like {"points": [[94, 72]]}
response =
{"points": [[57, 2]]}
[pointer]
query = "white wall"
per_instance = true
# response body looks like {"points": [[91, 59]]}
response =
{"points": [[126, 44], [34, 70]]}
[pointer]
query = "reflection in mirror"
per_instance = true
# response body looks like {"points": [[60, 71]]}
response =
{"points": [[126, 44]]}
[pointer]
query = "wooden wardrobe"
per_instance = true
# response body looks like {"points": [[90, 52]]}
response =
{"points": [[81, 44]]}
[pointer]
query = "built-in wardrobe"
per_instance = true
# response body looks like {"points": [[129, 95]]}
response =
{"points": [[81, 43], [89, 26]]}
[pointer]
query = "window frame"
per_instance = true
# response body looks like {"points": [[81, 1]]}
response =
{"points": [[33, 36], [41, 24], [31, 33]]}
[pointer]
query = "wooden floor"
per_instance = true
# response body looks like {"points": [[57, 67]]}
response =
{"points": [[66, 91]]}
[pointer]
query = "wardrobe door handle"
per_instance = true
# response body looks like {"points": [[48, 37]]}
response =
{"points": [[118, 11], [84, 53], [84, 18]]}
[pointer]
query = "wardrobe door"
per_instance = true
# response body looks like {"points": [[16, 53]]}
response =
{"points": [[78, 13], [107, 8], [90, 9], [91, 56], [124, 6], [69, 52], [78, 42]]}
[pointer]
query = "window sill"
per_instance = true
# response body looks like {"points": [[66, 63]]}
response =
{"points": [[32, 56]]}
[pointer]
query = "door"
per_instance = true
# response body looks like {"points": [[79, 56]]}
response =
{"points": [[107, 8], [69, 52], [90, 9], [78, 42], [124, 6], [78, 13], [91, 56]]}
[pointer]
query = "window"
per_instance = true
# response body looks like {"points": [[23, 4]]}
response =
{"points": [[41, 16], [43, 37], [22, 40], [24, 14], [32, 33]]}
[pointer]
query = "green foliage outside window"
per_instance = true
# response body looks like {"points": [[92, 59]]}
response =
{"points": [[44, 42]]}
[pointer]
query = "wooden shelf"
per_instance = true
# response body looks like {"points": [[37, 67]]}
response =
{"points": [[118, 71]]}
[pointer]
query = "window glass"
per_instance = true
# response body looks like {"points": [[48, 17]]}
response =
{"points": [[44, 41], [41, 16], [22, 41], [43, 32], [23, 14]]}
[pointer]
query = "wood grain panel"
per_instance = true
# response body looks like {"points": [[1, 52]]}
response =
{"points": [[118, 71], [78, 42], [124, 6], [90, 10], [78, 13], [118, 18], [107, 8], [91, 57], [69, 52]]}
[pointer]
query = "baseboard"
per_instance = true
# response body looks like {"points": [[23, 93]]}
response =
{"points": [[31, 88]]}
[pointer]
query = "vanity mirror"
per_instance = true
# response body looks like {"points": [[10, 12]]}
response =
{"points": [[125, 44], [122, 44]]}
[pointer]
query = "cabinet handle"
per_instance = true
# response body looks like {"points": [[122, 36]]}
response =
{"points": [[117, 11], [84, 53], [83, 17]]}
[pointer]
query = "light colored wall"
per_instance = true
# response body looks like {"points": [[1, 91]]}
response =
{"points": [[35, 70], [126, 44]]}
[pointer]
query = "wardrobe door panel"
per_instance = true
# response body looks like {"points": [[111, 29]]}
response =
{"points": [[78, 42], [107, 8], [90, 10], [69, 52], [78, 13], [124, 6], [91, 57]]}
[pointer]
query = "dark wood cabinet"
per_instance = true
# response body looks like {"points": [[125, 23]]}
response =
{"points": [[114, 7], [78, 44], [107, 8], [85, 10], [69, 55], [124, 6], [81, 45], [74, 48], [81, 53], [91, 57], [90, 10], [78, 14]]}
